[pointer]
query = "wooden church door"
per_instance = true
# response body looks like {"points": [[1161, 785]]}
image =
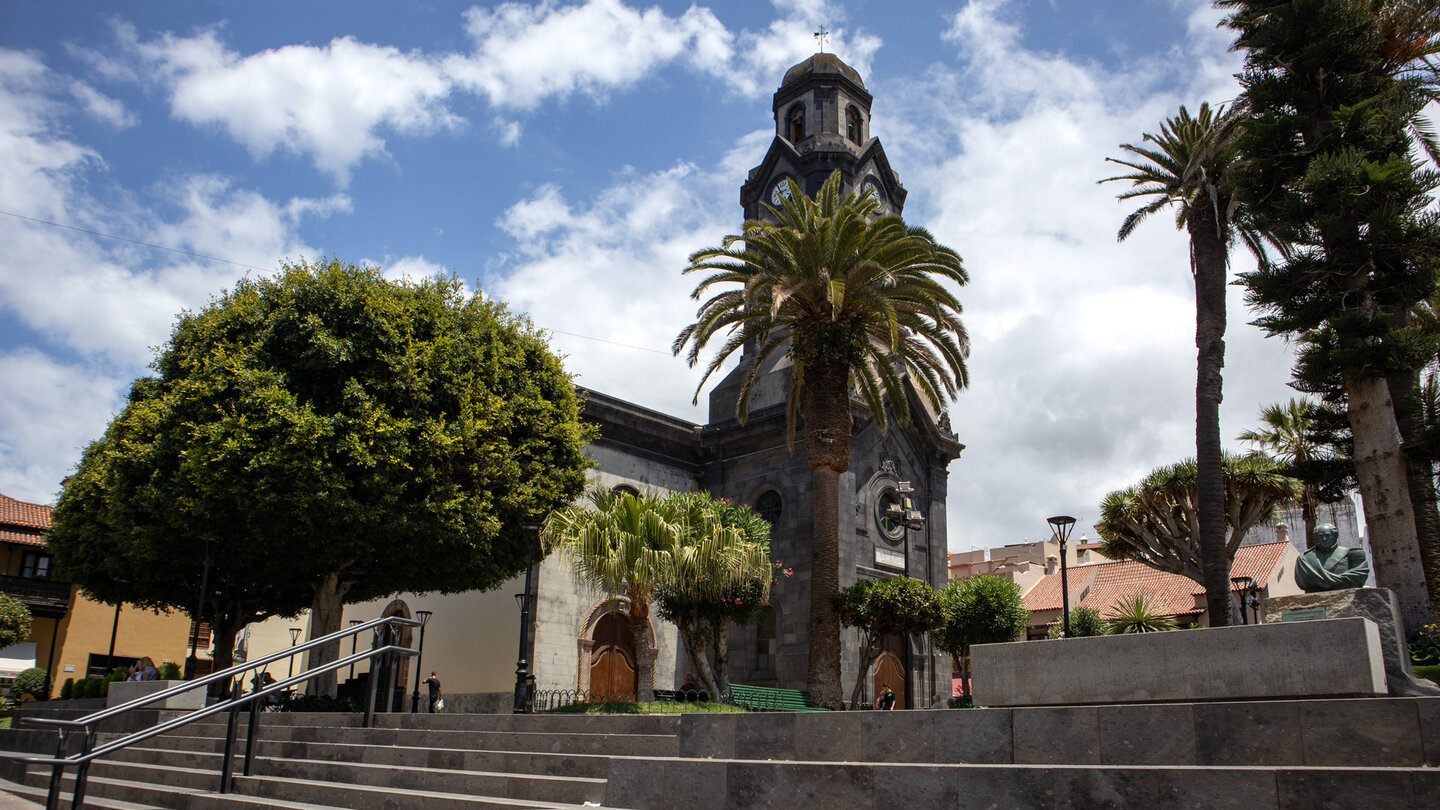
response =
{"points": [[613, 673], [890, 668]]}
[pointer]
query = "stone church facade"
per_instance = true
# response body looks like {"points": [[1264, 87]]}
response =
{"points": [[822, 124]]}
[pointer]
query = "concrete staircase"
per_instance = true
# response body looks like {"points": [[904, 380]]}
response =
{"points": [[1371, 753], [407, 761]]}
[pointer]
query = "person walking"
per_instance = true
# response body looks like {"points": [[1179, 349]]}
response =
{"points": [[887, 700], [432, 683]]}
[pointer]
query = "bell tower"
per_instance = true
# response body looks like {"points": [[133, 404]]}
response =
{"points": [[822, 123]]}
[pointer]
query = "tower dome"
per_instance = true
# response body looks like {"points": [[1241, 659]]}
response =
{"points": [[822, 63]]}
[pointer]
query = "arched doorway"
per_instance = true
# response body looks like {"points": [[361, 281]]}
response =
{"points": [[890, 668], [401, 665], [613, 673]]}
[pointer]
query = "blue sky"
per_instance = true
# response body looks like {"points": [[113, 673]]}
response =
{"points": [[566, 157]]}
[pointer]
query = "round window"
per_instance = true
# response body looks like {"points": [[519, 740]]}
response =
{"points": [[889, 515]]}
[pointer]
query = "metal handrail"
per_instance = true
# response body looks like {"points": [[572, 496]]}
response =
{"points": [[238, 699]]}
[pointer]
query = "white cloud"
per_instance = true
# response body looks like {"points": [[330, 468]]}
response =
{"points": [[329, 103], [48, 411], [110, 110], [1083, 366], [605, 276], [527, 54], [89, 308], [411, 268]]}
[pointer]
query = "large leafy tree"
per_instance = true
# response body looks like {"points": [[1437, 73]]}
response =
{"points": [[1294, 432], [324, 436], [1189, 166], [15, 620], [885, 607], [1335, 89], [1157, 521], [859, 303], [984, 609], [636, 545]]}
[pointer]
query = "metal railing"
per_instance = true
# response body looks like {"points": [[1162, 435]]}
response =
{"points": [[386, 631], [548, 700]]}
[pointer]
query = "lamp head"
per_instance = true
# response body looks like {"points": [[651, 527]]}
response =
{"points": [[1062, 526], [424, 616]]}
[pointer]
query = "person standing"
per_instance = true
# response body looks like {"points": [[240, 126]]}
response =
{"points": [[887, 699], [432, 683]]}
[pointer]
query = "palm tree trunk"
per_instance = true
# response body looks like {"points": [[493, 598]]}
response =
{"points": [[644, 654], [722, 658], [1208, 262], [828, 422], [1309, 505]]}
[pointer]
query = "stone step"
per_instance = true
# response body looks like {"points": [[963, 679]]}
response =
{"points": [[197, 770], [597, 743], [700, 784], [545, 763], [178, 789]]}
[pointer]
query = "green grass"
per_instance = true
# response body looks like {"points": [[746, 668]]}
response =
{"points": [[1428, 671], [657, 707]]}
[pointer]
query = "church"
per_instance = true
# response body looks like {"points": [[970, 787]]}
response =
{"points": [[580, 639]]}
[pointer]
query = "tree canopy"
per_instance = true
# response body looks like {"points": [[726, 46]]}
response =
{"points": [[984, 609], [322, 436], [1155, 522], [885, 607], [15, 620]]}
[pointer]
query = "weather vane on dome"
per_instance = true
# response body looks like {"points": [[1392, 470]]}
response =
{"points": [[822, 35]]}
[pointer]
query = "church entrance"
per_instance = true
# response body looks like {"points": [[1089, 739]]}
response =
{"points": [[890, 668], [613, 673]]}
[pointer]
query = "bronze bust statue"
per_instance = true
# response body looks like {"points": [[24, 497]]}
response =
{"points": [[1329, 566]]}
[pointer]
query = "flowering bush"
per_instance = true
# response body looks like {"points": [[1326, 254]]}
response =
{"points": [[1425, 648]]}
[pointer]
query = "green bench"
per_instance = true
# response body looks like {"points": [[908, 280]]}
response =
{"points": [[770, 699]]}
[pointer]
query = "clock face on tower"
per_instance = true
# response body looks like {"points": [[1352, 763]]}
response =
{"points": [[869, 190], [781, 191]]}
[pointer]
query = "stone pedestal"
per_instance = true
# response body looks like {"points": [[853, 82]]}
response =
{"points": [[126, 691], [1376, 604]]}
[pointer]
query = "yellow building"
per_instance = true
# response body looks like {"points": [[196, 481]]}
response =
{"points": [[72, 636]]}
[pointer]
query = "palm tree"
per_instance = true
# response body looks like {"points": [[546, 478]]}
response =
{"points": [[1188, 166], [632, 545], [1287, 436], [858, 304]]}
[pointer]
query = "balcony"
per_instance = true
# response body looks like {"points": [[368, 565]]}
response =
{"points": [[46, 598]]}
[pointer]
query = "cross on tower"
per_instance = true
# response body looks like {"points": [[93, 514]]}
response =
{"points": [[822, 35]]}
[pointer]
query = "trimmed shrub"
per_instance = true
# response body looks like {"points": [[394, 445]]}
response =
{"points": [[169, 671], [94, 688], [67, 689], [32, 683]]}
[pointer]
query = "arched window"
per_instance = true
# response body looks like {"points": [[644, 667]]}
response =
{"points": [[768, 506], [852, 124], [796, 119], [765, 641]]}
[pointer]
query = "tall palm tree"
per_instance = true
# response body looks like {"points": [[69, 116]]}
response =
{"points": [[1188, 166], [858, 303], [632, 545], [1287, 436]]}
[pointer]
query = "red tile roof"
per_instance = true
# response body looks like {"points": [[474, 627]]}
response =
{"points": [[1102, 585], [23, 522]]}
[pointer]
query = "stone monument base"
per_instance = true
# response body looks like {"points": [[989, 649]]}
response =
{"points": [[1376, 604], [126, 691]]}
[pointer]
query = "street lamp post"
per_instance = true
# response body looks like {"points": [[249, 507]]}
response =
{"points": [[419, 658], [1245, 591], [294, 637], [904, 514], [353, 638], [522, 666], [1063, 525]]}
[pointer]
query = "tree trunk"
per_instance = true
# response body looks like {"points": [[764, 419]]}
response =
{"points": [[963, 662], [1308, 508], [722, 658], [701, 666], [1381, 472], [1420, 481], [1208, 262], [644, 653], [828, 421], [869, 649], [326, 611]]}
